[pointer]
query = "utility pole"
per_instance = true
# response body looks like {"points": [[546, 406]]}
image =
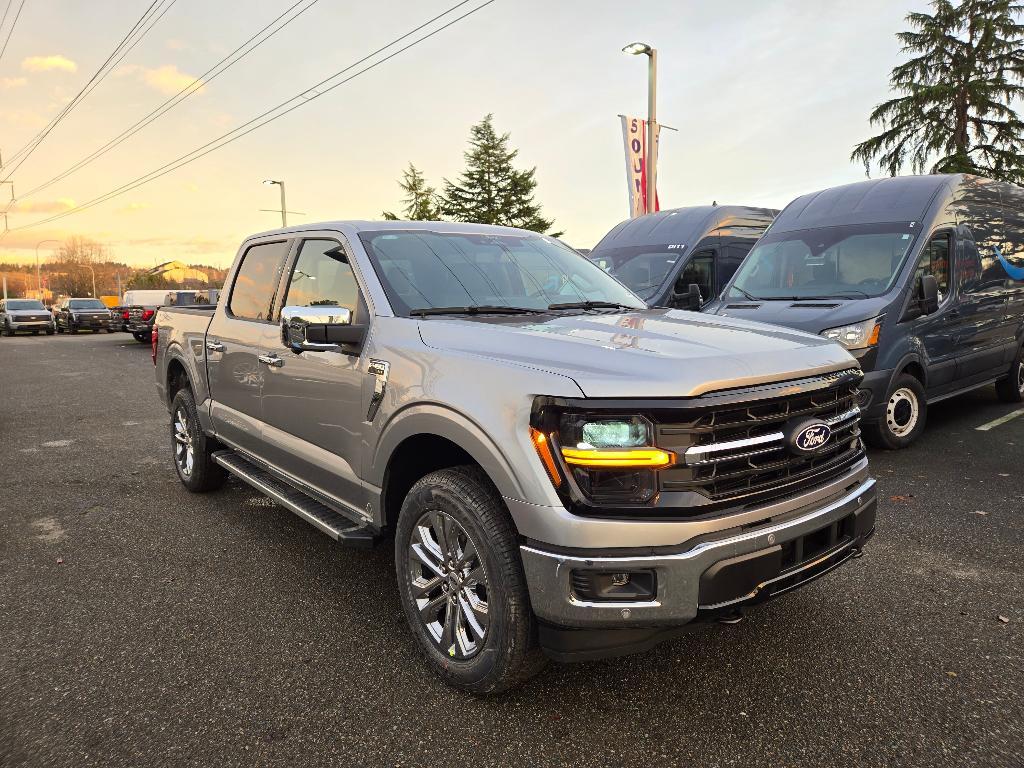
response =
{"points": [[652, 118], [284, 207], [39, 282]]}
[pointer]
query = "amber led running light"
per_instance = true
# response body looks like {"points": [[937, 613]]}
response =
{"points": [[617, 458], [543, 447]]}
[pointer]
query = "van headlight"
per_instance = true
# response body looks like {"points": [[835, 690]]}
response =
{"points": [[610, 459], [857, 335]]}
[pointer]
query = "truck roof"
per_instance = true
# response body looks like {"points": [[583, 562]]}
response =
{"points": [[359, 225], [680, 225], [876, 201]]}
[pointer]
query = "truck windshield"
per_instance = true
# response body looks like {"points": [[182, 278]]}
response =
{"points": [[24, 304], [423, 269], [848, 262], [86, 304], [641, 267]]}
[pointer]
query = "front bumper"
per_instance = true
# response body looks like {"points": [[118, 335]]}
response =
{"points": [[874, 389], [31, 325], [716, 574]]}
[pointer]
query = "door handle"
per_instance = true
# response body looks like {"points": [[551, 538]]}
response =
{"points": [[214, 346], [272, 360]]}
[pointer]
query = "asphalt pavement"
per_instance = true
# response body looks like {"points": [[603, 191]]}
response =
{"points": [[141, 625]]}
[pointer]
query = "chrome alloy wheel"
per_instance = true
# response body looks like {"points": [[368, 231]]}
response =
{"points": [[902, 412], [448, 584], [184, 452], [1020, 377]]}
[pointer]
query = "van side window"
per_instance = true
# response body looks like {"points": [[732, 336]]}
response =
{"points": [[252, 295], [321, 278], [700, 270], [935, 262]]}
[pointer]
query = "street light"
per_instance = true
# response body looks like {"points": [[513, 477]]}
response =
{"points": [[637, 49], [39, 282], [284, 209]]}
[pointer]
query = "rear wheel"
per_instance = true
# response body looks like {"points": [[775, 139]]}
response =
{"points": [[191, 449], [904, 418], [1011, 389], [142, 338], [461, 583]]}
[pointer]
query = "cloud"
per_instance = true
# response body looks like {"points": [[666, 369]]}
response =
{"points": [[12, 82], [176, 45], [48, 63], [168, 79], [133, 208], [59, 205], [23, 118]]}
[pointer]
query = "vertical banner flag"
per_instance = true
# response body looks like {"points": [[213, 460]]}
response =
{"points": [[634, 137]]}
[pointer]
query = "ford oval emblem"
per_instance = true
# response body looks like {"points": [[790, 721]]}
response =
{"points": [[812, 437]]}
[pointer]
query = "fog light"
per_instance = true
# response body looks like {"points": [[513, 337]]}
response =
{"points": [[607, 586]]}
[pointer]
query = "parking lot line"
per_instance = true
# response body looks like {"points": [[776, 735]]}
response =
{"points": [[1000, 420]]}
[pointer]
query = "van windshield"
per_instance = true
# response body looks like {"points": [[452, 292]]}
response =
{"points": [[641, 267], [422, 269], [847, 262]]}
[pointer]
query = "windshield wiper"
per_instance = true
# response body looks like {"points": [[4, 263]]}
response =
{"points": [[749, 296], [840, 295], [476, 309], [590, 305]]}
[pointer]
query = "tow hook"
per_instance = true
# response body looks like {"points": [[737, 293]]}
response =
{"points": [[733, 617], [857, 554]]}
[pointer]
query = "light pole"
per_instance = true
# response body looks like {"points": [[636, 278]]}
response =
{"points": [[284, 209], [93, 273], [652, 118], [39, 282]]}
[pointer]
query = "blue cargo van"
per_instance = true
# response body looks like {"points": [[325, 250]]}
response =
{"points": [[920, 277], [661, 255]]}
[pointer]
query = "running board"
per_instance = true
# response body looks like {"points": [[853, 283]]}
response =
{"points": [[335, 525]]}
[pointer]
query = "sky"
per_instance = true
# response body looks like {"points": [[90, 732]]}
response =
{"points": [[768, 100]]}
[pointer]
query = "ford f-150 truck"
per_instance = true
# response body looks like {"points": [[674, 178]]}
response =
{"points": [[564, 472]]}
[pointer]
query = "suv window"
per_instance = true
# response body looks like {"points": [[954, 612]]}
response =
{"points": [[935, 261], [700, 270], [252, 296], [321, 278]]}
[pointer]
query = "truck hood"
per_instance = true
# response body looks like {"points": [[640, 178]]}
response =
{"points": [[652, 353], [813, 316]]}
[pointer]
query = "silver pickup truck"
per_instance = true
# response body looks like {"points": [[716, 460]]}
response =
{"points": [[564, 472]]}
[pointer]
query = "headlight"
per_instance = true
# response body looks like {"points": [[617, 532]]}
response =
{"points": [[857, 335], [609, 458]]}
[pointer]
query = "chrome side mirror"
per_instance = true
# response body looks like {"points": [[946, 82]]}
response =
{"points": [[320, 329]]}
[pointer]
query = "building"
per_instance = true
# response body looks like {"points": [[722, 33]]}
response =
{"points": [[175, 272]]}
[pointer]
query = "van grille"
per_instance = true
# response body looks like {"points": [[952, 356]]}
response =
{"points": [[737, 450]]}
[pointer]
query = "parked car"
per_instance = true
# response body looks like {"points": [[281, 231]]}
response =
{"points": [[563, 470], [920, 277], [24, 315], [82, 314], [139, 319], [660, 255]]}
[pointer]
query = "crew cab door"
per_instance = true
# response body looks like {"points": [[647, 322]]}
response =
{"points": [[313, 407], [235, 341]]}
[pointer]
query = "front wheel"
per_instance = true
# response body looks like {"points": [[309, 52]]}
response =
{"points": [[904, 418], [8, 331], [1011, 389], [191, 448], [461, 583]]}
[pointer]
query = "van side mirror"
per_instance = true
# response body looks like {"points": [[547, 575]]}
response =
{"points": [[928, 290], [691, 300], [320, 329]]}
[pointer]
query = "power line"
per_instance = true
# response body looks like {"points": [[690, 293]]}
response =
{"points": [[13, 24], [105, 69], [244, 129], [222, 66]]}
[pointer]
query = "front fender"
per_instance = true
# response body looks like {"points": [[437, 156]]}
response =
{"points": [[441, 420]]}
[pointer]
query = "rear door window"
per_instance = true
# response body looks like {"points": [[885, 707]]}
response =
{"points": [[252, 295]]}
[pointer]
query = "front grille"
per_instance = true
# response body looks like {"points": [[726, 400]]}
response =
{"points": [[732, 448]]}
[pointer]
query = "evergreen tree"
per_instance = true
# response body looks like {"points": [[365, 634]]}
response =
{"points": [[491, 190], [957, 112], [420, 202]]}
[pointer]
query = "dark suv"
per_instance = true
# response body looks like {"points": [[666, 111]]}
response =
{"points": [[74, 315]]}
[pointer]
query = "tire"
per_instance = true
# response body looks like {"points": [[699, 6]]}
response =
{"points": [[72, 329], [8, 331], [463, 501], [1011, 389], [35, 333], [906, 412], [111, 330], [205, 474], [142, 338], [49, 331]]}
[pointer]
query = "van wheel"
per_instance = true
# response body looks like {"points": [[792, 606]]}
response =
{"points": [[461, 583], [191, 449], [1011, 389], [904, 418]]}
